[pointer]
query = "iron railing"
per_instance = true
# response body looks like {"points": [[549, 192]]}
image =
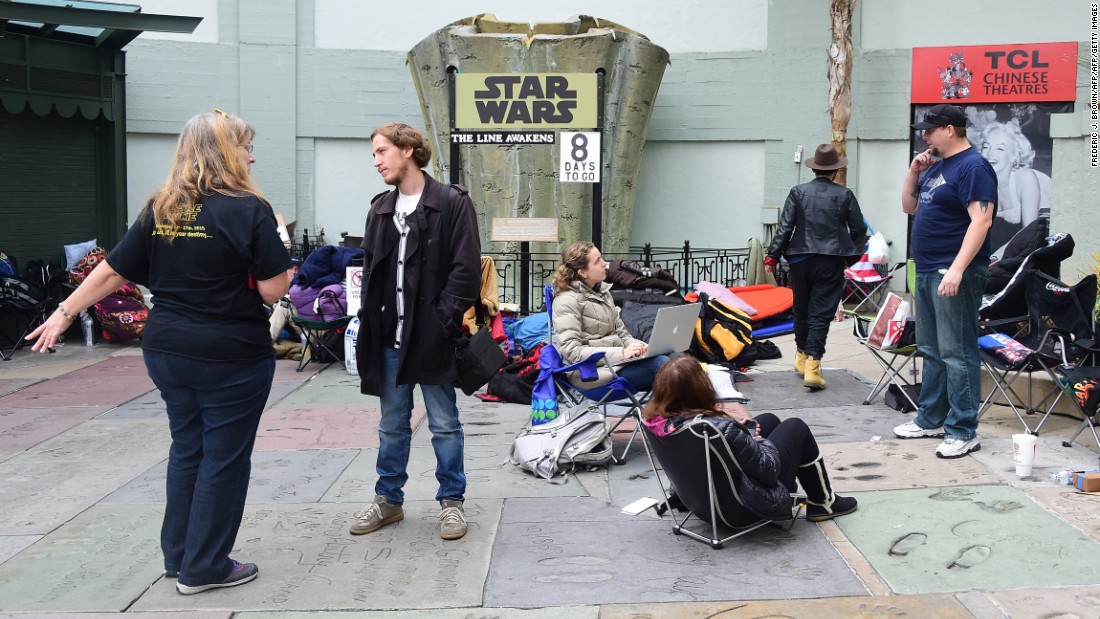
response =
{"points": [[522, 275]]}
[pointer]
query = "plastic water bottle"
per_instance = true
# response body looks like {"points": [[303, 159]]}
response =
{"points": [[86, 328], [350, 335]]}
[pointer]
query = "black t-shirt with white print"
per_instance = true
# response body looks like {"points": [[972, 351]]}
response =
{"points": [[203, 307]]}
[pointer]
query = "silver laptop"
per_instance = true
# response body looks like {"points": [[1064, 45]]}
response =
{"points": [[672, 330]]}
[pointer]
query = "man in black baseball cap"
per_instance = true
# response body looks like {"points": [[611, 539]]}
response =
{"points": [[951, 190], [943, 115]]}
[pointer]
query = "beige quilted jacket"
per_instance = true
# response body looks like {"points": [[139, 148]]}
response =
{"points": [[587, 322]]}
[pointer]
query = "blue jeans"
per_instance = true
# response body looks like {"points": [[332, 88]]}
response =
{"points": [[213, 412], [947, 335], [395, 435], [640, 374]]}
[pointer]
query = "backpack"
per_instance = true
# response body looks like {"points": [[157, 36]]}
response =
{"points": [[7, 266], [20, 292], [514, 381], [722, 332], [578, 437]]}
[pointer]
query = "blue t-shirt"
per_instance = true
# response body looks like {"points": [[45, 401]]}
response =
{"points": [[942, 219]]}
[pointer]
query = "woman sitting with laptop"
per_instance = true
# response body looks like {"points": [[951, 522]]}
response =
{"points": [[586, 321], [773, 453]]}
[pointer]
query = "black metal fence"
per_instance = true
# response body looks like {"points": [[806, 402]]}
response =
{"points": [[522, 276]]}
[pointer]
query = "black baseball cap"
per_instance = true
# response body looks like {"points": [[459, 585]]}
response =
{"points": [[942, 115]]}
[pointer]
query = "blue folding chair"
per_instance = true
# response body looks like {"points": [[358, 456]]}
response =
{"points": [[618, 392]]}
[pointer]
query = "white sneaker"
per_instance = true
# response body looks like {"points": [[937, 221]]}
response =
{"points": [[952, 447], [910, 429]]}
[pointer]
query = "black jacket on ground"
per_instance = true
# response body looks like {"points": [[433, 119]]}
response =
{"points": [[438, 288], [820, 217]]}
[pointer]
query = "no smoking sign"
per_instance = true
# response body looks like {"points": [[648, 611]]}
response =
{"points": [[580, 157]]}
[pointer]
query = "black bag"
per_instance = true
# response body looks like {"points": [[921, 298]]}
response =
{"points": [[478, 358], [897, 401]]}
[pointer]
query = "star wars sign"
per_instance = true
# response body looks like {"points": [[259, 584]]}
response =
{"points": [[580, 157]]}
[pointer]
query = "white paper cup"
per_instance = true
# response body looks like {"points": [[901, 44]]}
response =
{"points": [[1023, 453]]}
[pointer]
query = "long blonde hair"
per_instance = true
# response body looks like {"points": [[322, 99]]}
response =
{"points": [[573, 258], [206, 162]]}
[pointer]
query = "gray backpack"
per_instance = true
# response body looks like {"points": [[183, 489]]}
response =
{"points": [[579, 437]]}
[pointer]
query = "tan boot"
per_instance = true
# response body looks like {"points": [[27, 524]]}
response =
{"points": [[812, 379], [800, 363]]}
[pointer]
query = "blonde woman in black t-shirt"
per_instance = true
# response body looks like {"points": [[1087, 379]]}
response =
{"points": [[206, 245]]}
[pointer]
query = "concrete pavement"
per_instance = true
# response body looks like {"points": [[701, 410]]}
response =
{"points": [[83, 442]]}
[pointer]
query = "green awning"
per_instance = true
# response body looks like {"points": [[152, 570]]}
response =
{"points": [[97, 24]]}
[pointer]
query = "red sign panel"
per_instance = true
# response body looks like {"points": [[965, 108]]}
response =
{"points": [[995, 73]]}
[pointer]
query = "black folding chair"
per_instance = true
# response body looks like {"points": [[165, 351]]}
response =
{"points": [[700, 466], [22, 304]]}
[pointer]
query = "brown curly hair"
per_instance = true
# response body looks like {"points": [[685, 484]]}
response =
{"points": [[573, 258], [682, 388], [404, 136]]}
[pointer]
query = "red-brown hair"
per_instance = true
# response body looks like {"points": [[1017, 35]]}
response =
{"points": [[682, 388]]}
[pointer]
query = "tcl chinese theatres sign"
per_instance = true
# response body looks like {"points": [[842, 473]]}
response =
{"points": [[995, 73]]}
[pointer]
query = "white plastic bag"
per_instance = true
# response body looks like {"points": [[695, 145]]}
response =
{"points": [[878, 252]]}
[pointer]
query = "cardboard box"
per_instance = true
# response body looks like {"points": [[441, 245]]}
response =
{"points": [[1087, 481]]}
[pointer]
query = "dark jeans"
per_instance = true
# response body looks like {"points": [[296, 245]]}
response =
{"points": [[794, 441], [817, 283], [213, 412], [640, 374]]}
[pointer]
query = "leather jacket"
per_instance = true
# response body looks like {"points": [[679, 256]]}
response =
{"points": [[820, 217]]}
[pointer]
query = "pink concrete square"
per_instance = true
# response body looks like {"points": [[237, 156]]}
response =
{"points": [[112, 367], [329, 427], [68, 392], [287, 369]]}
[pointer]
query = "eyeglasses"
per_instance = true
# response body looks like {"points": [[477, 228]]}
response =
{"points": [[247, 147]]}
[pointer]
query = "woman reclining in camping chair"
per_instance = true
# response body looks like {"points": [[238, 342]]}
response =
{"points": [[771, 451], [586, 321]]}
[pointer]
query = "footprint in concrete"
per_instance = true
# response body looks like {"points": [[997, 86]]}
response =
{"points": [[577, 560], [907, 544], [952, 494], [971, 556], [863, 465], [869, 477], [999, 507]]}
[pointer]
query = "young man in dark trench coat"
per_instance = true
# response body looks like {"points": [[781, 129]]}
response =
{"points": [[418, 280]]}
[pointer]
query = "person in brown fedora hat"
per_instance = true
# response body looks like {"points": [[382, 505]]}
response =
{"points": [[820, 229]]}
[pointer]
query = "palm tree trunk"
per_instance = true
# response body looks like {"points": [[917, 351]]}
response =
{"points": [[840, 76]]}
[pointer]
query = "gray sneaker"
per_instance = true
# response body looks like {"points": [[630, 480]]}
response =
{"points": [[910, 429], [376, 515], [452, 520]]}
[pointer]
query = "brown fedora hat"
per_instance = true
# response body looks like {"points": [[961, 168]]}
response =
{"points": [[826, 158]]}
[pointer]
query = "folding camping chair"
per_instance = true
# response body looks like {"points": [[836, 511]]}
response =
{"points": [[700, 464], [893, 361], [1062, 339], [866, 284], [314, 333], [619, 392]]}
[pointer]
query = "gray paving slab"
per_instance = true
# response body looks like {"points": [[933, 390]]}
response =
{"points": [[969, 537], [224, 614], [784, 390], [488, 475], [11, 545], [843, 424], [897, 463], [484, 423], [1076, 508], [101, 561], [146, 406], [277, 477], [331, 387], [23, 428], [540, 560], [570, 612], [1050, 457], [308, 561], [59, 478]]}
